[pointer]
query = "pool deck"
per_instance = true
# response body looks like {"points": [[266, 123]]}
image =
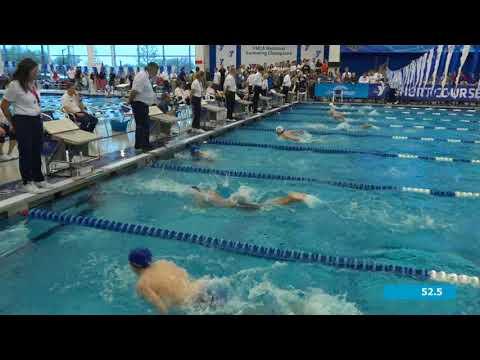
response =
{"points": [[112, 164]]}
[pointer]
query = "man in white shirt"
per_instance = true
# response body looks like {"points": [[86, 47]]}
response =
{"points": [[347, 75], [216, 79], [287, 83], [257, 87], [230, 88], [250, 82], [72, 104], [141, 97], [364, 79], [197, 91]]}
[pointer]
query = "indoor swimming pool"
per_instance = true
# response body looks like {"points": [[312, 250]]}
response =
{"points": [[47, 267]]}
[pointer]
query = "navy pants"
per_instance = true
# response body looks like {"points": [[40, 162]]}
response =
{"points": [[142, 124], [29, 133], [196, 110]]}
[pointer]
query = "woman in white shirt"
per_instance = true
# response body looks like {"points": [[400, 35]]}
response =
{"points": [[22, 93], [197, 99]]}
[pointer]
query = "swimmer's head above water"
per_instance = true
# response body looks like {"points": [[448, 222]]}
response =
{"points": [[194, 150], [279, 130], [140, 258]]}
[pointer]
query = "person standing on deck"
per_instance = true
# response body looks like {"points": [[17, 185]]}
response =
{"points": [[141, 97]]}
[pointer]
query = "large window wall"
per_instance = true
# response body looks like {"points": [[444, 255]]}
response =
{"points": [[110, 55]]}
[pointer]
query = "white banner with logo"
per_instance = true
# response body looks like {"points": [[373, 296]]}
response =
{"points": [[226, 55], [270, 54], [313, 52]]}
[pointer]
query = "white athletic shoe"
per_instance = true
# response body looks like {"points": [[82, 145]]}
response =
{"points": [[5, 157], [43, 185], [32, 189]]}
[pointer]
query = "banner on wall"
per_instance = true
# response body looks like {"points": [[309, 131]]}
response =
{"points": [[447, 93], [385, 48], [270, 54], [226, 55], [357, 91], [314, 52]]}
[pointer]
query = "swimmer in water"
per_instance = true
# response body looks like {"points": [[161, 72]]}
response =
{"points": [[199, 155], [336, 114], [366, 126], [166, 285], [213, 198], [293, 135]]}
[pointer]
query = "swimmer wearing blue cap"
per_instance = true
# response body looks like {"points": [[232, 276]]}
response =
{"points": [[197, 154], [166, 285], [293, 135]]}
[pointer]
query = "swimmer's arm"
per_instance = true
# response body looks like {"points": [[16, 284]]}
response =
{"points": [[151, 296]]}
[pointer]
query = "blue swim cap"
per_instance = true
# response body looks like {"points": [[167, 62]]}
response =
{"points": [[140, 257], [194, 150]]}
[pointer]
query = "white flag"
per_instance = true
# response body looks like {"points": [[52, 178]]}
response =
{"points": [[437, 62], [465, 52], [429, 66], [447, 65]]}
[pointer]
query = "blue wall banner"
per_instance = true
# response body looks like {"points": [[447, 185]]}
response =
{"points": [[469, 93], [385, 48], [357, 91]]}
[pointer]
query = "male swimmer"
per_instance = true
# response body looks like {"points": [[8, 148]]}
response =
{"points": [[336, 114], [211, 197], [293, 135], [197, 154], [166, 285]]}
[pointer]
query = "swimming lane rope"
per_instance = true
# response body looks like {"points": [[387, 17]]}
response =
{"points": [[343, 184], [270, 253], [322, 150], [393, 126], [350, 134]]}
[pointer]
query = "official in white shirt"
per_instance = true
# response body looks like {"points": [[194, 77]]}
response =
{"points": [[230, 89], [23, 94], [286, 85], [364, 79], [257, 87], [197, 91], [250, 82], [216, 79], [141, 97]]}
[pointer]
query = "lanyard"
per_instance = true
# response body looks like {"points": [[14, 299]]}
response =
{"points": [[34, 92]]}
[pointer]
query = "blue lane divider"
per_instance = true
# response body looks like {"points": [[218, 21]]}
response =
{"points": [[322, 150], [231, 246], [393, 137], [343, 184], [393, 126], [394, 116], [270, 253]]}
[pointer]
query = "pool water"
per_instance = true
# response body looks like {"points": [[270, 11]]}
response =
{"points": [[48, 268]]}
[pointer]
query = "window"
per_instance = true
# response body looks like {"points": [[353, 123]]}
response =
{"points": [[123, 55]]}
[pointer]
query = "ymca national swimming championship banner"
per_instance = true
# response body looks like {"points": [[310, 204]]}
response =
{"points": [[467, 93], [226, 55], [314, 52], [357, 91], [270, 54]]}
